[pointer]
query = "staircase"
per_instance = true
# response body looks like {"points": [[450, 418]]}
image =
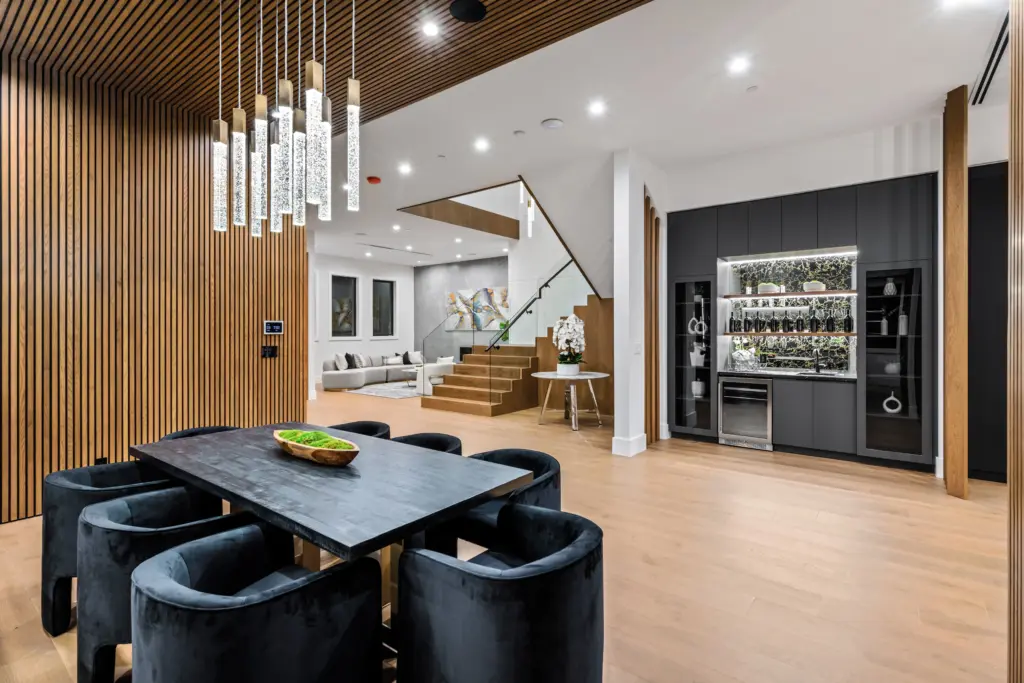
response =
{"points": [[489, 383]]}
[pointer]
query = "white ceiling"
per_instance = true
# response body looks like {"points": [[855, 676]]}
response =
{"points": [[822, 67], [502, 200]]}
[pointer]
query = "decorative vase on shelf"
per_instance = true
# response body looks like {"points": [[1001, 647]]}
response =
{"points": [[890, 287], [698, 388], [568, 369]]}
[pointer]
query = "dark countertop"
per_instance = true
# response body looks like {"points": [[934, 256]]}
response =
{"points": [[789, 374]]}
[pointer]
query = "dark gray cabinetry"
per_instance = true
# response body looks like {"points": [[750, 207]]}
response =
{"points": [[837, 217], [692, 242], [764, 226], [835, 416], [896, 219], [817, 414], [792, 408], [800, 222], [732, 230]]}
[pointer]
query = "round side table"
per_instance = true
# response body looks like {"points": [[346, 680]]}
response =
{"points": [[570, 389]]}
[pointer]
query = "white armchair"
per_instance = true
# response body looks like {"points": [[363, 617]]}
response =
{"points": [[427, 371]]}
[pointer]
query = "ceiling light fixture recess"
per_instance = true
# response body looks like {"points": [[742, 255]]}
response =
{"points": [[368, 254], [468, 11], [519, 133], [408, 247], [458, 240], [405, 168], [458, 256], [396, 227], [481, 144], [739, 65], [552, 124], [430, 29], [597, 108]]}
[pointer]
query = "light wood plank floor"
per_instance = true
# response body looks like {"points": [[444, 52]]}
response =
{"points": [[721, 565]]}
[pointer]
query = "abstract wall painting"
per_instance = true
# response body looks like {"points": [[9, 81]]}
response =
{"points": [[482, 309]]}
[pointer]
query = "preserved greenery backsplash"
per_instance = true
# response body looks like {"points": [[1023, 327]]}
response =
{"points": [[836, 272], [785, 352]]}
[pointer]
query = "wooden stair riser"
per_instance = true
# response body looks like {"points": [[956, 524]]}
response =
{"points": [[495, 359], [489, 371], [508, 350], [455, 405], [495, 383], [485, 395]]}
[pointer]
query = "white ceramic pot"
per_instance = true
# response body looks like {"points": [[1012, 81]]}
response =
{"points": [[698, 388], [568, 369], [697, 359]]}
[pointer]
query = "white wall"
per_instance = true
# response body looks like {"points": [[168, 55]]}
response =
{"points": [[578, 199], [322, 346], [503, 200], [877, 154]]}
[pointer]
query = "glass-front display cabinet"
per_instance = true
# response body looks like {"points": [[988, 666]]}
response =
{"points": [[895, 391], [693, 389]]}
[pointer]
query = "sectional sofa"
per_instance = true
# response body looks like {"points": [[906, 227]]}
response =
{"points": [[378, 370]]}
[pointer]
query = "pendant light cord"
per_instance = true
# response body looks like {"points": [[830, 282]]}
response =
{"points": [[324, 22], [239, 41], [286, 39], [220, 60], [277, 45], [261, 45], [298, 63], [314, 30], [353, 36]]}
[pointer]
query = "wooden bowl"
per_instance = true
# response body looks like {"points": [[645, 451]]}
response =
{"points": [[323, 456]]}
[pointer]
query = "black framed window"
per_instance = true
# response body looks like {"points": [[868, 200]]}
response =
{"points": [[343, 306], [383, 308]]}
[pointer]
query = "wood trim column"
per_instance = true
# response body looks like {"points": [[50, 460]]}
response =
{"points": [[1015, 350], [955, 251], [652, 309]]}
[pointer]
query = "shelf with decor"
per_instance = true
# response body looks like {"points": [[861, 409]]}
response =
{"points": [[692, 356], [794, 295]]}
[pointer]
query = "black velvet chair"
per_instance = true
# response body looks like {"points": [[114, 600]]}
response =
{"points": [[380, 430], [113, 538], [232, 607], [478, 525], [533, 613], [446, 443], [196, 431], [65, 494]]}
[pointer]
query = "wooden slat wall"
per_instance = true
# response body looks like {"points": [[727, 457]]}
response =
{"points": [[124, 316], [1015, 350]]}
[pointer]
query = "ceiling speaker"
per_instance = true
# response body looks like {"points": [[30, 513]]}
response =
{"points": [[469, 11]]}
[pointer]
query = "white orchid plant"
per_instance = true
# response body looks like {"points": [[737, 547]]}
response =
{"points": [[568, 338]]}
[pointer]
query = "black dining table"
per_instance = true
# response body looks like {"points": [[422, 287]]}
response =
{"points": [[388, 493]]}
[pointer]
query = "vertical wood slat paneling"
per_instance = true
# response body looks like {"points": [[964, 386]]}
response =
{"points": [[1015, 350], [124, 316], [955, 248]]}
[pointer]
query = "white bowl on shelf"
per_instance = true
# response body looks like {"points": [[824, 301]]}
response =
{"points": [[814, 286], [767, 288]]}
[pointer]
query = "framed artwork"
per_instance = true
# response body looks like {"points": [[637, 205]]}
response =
{"points": [[482, 309], [343, 306]]}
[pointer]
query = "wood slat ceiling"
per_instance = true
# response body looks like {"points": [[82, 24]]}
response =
{"points": [[167, 49]]}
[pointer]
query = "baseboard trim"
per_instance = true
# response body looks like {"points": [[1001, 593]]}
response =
{"points": [[629, 446]]}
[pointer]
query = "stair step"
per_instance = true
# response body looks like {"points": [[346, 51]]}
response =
{"points": [[473, 393], [459, 405], [497, 359], [488, 371], [479, 382], [509, 350]]}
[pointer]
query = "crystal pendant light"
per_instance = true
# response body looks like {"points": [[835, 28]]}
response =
{"points": [[315, 145], [323, 211], [276, 223], [255, 224], [219, 131], [299, 170], [238, 143], [352, 123], [284, 130], [258, 155]]}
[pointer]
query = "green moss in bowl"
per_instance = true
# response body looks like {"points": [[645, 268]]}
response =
{"points": [[315, 439]]}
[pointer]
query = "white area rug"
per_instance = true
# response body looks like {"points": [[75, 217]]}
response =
{"points": [[388, 390]]}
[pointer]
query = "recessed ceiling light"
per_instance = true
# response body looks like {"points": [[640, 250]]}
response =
{"points": [[597, 108], [752, 89], [739, 65], [552, 124], [481, 145], [430, 28], [419, 262], [396, 227], [519, 133], [405, 168], [505, 249], [458, 240], [469, 11], [360, 234], [368, 254], [458, 256], [408, 247], [346, 187]]}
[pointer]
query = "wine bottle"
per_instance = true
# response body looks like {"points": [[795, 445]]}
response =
{"points": [[830, 321], [801, 325], [787, 322], [748, 323], [759, 322], [815, 324], [848, 322], [773, 324]]}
